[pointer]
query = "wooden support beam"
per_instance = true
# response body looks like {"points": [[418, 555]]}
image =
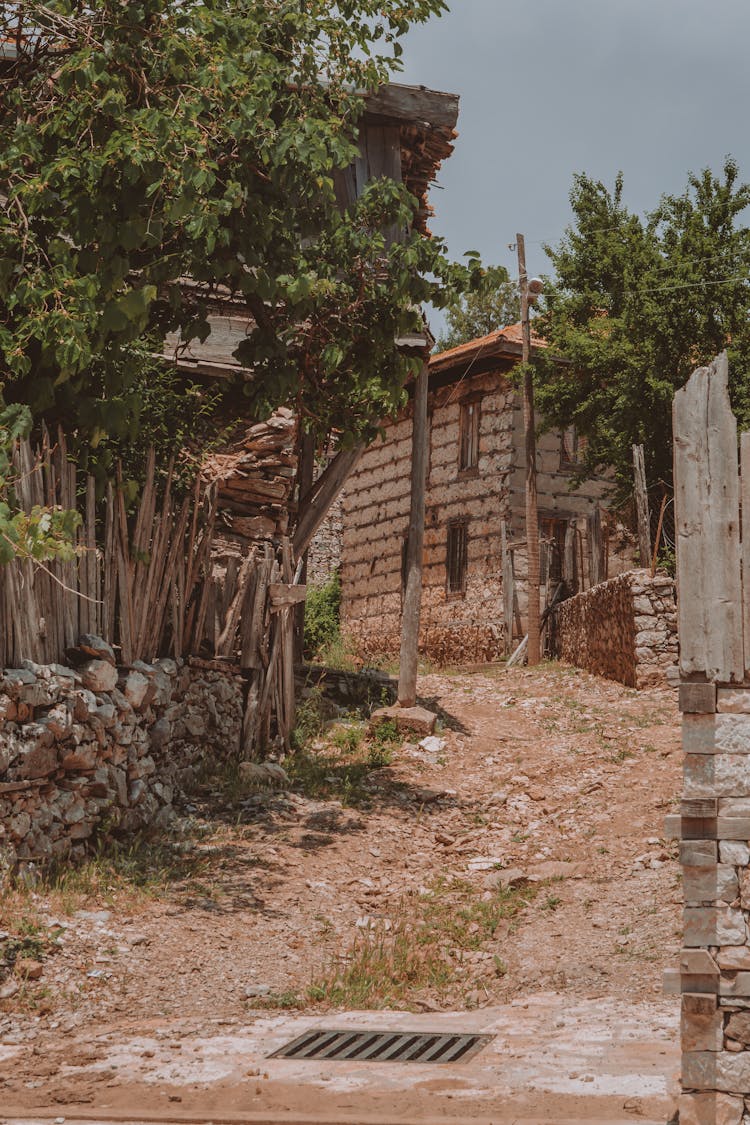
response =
{"points": [[323, 494], [532, 513], [407, 679], [641, 506]]}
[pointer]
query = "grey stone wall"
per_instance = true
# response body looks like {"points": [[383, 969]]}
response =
{"points": [[93, 747], [625, 629]]}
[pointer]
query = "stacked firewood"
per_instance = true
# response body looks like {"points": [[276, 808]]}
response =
{"points": [[255, 479]]}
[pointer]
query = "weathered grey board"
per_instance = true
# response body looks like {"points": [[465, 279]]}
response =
{"points": [[707, 520], [745, 486]]}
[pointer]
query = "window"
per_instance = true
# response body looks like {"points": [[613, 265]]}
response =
{"points": [[571, 448], [468, 436], [458, 537]]}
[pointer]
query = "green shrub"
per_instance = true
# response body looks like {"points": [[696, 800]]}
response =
{"points": [[322, 616]]}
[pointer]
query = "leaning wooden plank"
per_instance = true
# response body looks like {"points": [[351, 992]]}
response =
{"points": [[227, 642], [109, 584], [314, 510], [284, 594], [177, 546], [707, 527], [124, 575]]}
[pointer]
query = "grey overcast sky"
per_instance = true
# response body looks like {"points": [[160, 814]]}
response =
{"points": [[656, 88]]}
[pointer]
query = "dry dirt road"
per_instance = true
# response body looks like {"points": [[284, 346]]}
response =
{"points": [[508, 879]]}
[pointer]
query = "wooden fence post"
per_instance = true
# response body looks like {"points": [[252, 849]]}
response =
{"points": [[407, 678], [643, 518]]}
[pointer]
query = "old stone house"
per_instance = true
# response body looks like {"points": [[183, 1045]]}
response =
{"points": [[473, 600]]}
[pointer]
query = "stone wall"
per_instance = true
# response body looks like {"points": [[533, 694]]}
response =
{"points": [[713, 978], [96, 746], [625, 629], [324, 555]]}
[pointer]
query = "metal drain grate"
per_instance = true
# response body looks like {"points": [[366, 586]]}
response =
{"points": [[382, 1046]]}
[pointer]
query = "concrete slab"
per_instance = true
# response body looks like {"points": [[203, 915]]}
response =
{"points": [[552, 1058]]}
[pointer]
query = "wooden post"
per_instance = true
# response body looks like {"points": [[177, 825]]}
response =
{"points": [[641, 506], [532, 516], [407, 679], [305, 470]]}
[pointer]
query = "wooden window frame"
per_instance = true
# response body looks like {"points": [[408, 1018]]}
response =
{"points": [[456, 558], [469, 430]]}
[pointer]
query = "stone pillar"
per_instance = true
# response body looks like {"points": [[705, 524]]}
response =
{"points": [[714, 973]]}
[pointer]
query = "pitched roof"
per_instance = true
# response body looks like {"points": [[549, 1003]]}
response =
{"points": [[505, 343]]}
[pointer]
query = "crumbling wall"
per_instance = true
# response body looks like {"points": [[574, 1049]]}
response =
{"points": [[625, 629], [98, 746]]}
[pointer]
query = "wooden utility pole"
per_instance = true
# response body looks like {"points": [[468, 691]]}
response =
{"points": [[532, 517], [641, 506], [407, 675]]}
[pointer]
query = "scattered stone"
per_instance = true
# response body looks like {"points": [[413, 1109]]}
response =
{"points": [[417, 719], [97, 647], [8, 988], [433, 744], [255, 991], [98, 675], [28, 969]]}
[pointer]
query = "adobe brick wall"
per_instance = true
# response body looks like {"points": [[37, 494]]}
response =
{"points": [[625, 629], [454, 628]]}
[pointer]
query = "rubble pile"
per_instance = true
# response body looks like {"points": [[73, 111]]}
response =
{"points": [[256, 477], [95, 745]]}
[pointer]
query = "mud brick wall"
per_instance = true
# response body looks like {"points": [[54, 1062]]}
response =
{"points": [[625, 629], [104, 747], [714, 973], [454, 627]]}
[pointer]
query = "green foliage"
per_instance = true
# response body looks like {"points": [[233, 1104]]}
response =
{"points": [[637, 304], [147, 142], [43, 533], [322, 615], [493, 305]]}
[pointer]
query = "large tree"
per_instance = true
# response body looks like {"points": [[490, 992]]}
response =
{"points": [[493, 304], [634, 306], [146, 142]]}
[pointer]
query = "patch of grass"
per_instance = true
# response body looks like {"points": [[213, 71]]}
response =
{"points": [[343, 766], [423, 948]]}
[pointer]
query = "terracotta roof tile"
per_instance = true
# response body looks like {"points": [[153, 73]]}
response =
{"points": [[493, 344]]}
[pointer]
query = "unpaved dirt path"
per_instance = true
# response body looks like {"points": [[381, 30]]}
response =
{"points": [[553, 780]]}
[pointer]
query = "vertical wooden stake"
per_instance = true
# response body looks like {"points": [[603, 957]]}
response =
{"points": [[641, 506], [305, 469], [407, 679], [532, 516]]}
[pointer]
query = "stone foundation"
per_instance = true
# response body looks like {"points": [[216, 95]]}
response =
{"points": [[714, 974], [625, 629], [94, 748]]}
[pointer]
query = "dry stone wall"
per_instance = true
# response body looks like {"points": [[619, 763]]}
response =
{"points": [[99, 747], [625, 629]]}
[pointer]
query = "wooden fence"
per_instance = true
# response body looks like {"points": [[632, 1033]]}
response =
{"points": [[154, 582]]}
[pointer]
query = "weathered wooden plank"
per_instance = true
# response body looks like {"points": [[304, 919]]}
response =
{"points": [[509, 583], [641, 506], [283, 594], [707, 527], [745, 485], [414, 103]]}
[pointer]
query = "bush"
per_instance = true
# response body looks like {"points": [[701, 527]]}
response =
{"points": [[322, 616]]}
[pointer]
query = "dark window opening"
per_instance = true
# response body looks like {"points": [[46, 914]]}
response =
{"points": [[458, 537], [468, 453], [572, 447]]}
